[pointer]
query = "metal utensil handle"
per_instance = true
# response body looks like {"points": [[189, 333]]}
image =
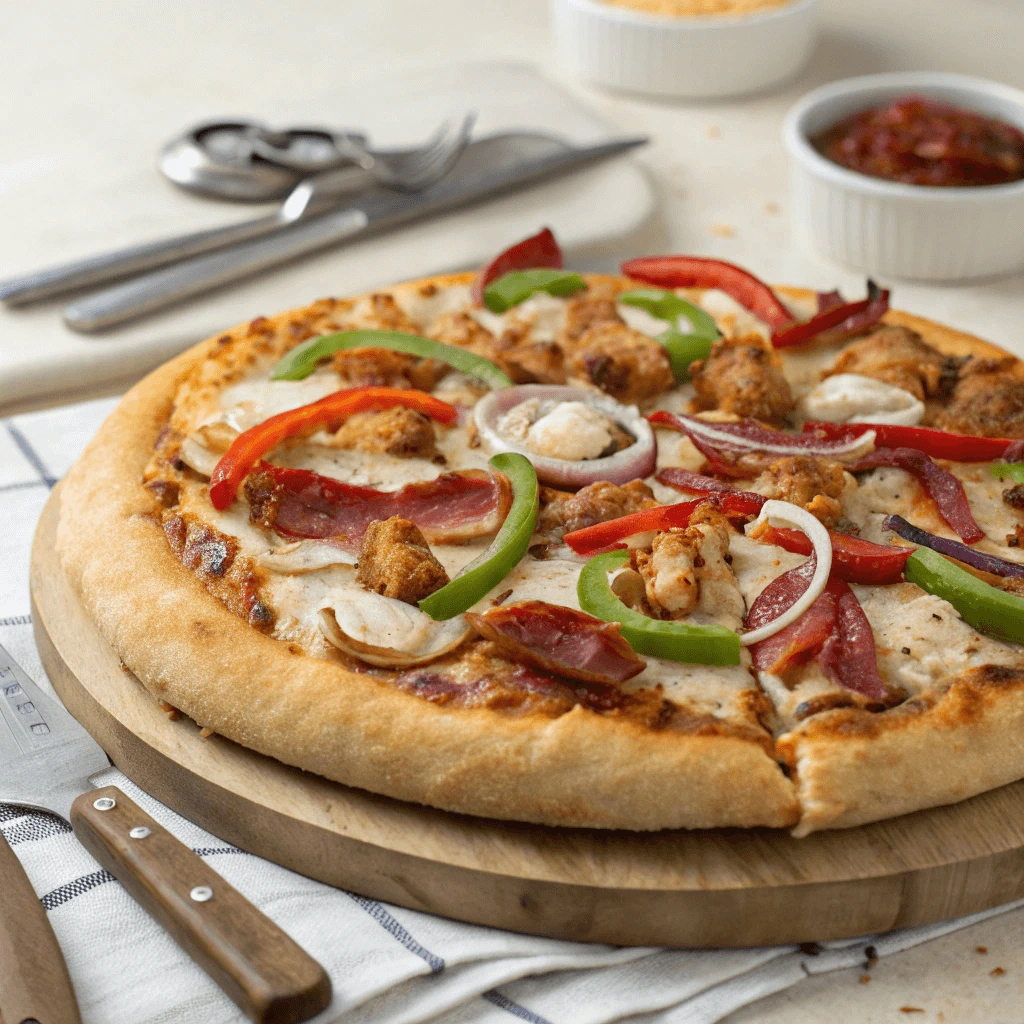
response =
{"points": [[265, 972], [204, 273], [34, 982], [133, 259]]}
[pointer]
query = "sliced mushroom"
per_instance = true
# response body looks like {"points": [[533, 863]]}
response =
{"points": [[196, 457], [386, 632]]}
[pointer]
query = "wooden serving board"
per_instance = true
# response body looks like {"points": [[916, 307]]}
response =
{"points": [[723, 887]]}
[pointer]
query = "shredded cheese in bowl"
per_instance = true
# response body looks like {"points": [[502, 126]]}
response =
{"points": [[699, 8]]}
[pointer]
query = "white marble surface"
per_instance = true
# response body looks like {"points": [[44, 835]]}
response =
{"points": [[134, 72]]}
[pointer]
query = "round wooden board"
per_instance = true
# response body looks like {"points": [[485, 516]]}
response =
{"points": [[723, 887]]}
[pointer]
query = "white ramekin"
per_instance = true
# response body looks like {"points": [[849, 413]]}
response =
{"points": [[701, 57], [891, 229]]}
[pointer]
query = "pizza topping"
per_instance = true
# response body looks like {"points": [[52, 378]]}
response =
{"points": [[692, 483], [988, 400], [954, 549], [687, 570], [626, 364], [899, 356], [852, 396], [750, 437], [838, 320], [504, 553], [939, 444], [614, 534], [599, 502], [988, 609], [761, 626], [688, 333], [302, 556], [302, 360], [942, 487], [560, 640], [298, 503], [812, 483], [572, 436], [674, 641], [515, 287], [853, 560], [1008, 470], [743, 376], [539, 250], [387, 632], [401, 432], [395, 560], [251, 445], [699, 272]]}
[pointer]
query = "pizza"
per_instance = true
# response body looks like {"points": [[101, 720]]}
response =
{"points": [[670, 549]]}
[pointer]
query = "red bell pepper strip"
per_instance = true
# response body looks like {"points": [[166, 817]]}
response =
{"points": [[592, 540], [853, 560], [700, 272], [939, 444], [538, 251], [943, 488], [839, 321], [251, 445]]}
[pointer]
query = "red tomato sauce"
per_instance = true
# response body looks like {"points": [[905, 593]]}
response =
{"points": [[923, 142]]}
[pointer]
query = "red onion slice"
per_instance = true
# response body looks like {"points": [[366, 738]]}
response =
{"points": [[633, 463], [944, 546]]}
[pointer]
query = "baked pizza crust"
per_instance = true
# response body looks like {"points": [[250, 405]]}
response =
{"points": [[580, 769]]}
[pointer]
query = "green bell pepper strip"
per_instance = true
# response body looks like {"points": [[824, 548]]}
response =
{"points": [[683, 346], [676, 641], [303, 359], [1008, 471], [988, 609], [487, 570], [518, 285]]}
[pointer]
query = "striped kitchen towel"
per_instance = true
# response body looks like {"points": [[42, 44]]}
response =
{"points": [[388, 965]]}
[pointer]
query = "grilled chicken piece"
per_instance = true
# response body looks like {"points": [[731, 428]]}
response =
{"points": [[380, 367], [623, 363], [561, 513], [687, 571], [743, 376], [402, 432], [988, 400], [813, 483], [584, 310], [901, 357], [396, 561]]}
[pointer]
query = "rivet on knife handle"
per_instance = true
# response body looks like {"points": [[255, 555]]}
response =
{"points": [[34, 983], [264, 971]]}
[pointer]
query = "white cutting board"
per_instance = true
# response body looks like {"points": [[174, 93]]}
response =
{"points": [[100, 189]]}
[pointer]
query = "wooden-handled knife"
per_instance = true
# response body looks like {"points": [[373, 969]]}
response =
{"points": [[46, 761]]}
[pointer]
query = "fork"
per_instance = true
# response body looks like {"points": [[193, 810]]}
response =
{"points": [[399, 170]]}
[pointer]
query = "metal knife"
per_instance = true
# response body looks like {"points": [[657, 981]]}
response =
{"points": [[46, 761], [488, 168]]}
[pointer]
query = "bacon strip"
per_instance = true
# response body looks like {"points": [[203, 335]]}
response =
{"points": [[697, 483], [560, 640], [301, 504], [943, 488]]}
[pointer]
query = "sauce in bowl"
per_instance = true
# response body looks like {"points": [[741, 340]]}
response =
{"points": [[920, 141]]}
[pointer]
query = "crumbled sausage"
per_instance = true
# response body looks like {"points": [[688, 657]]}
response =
{"points": [[901, 357], [812, 483], [561, 513], [595, 305], [396, 561], [687, 570], [1014, 497], [402, 432], [380, 367], [623, 363], [743, 376], [387, 315], [988, 400], [464, 331]]}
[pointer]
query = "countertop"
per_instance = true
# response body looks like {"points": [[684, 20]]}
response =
{"points": [[144, 70]]}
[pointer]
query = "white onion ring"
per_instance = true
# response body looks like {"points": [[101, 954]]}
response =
{"points": [[633, 463], [818, 535]]}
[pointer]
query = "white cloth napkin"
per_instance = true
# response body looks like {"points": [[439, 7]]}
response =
{"points": [[388, 965]]}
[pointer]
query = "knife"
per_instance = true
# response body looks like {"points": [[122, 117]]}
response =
{"points": [[46, 761], [489, 168]]}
